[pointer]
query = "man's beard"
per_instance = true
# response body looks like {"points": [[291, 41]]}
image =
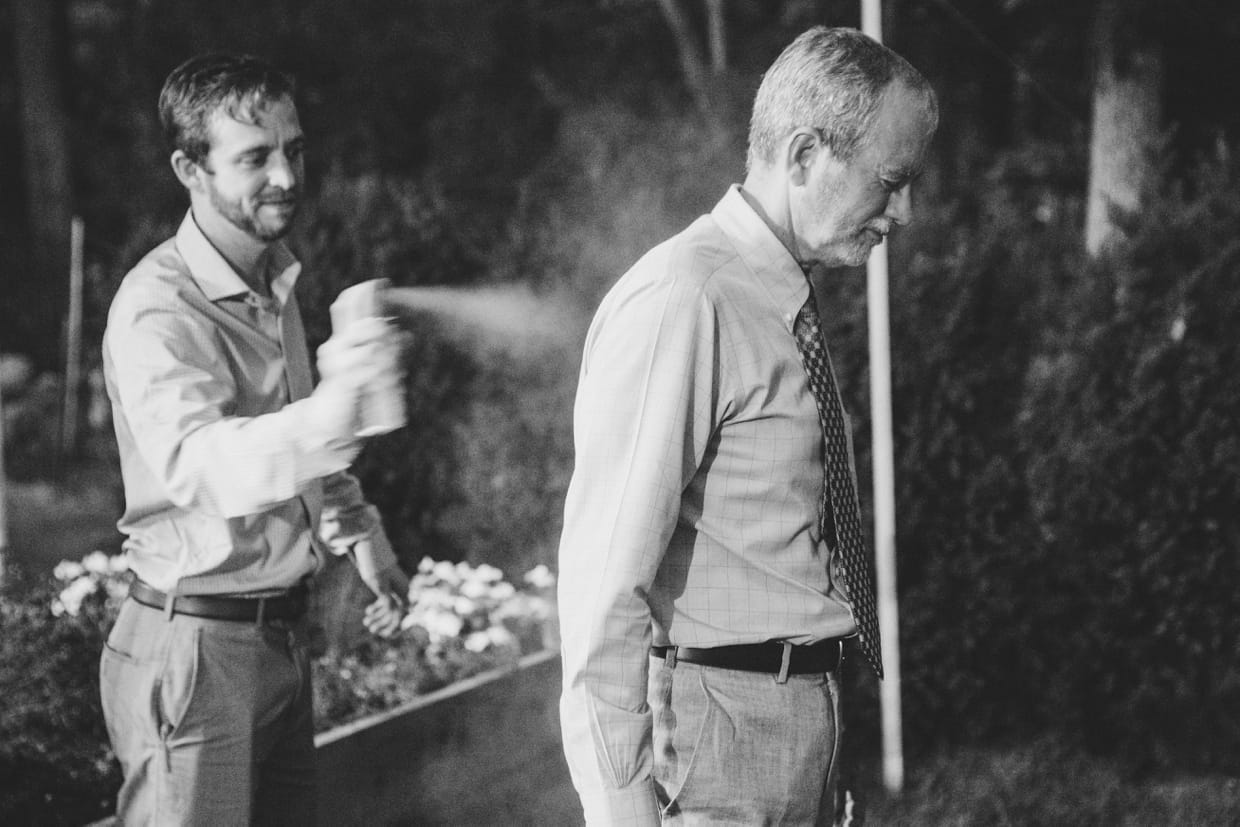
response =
{"points": [[234, 213]]}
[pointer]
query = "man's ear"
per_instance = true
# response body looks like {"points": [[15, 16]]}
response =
{"points": [[187, 170], [799, 155]]}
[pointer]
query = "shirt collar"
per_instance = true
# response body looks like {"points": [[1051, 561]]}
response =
{"points": [[216, 277], [763, 253]]}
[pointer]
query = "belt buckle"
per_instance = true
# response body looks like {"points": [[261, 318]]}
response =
{"points": [[785, 663]]}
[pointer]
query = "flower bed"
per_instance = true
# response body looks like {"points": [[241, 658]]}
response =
{"points": [[462, 621], [484, 750]]}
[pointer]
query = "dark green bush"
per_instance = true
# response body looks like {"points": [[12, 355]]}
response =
{"points": [[55, 766], [31, 429], [1068, 469], [1136, 479]]}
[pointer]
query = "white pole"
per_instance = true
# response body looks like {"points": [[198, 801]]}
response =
{"points": [[73, 341], [4, 516], [884, 482]]}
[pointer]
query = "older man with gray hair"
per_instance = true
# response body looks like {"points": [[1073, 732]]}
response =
{"points": [[712, 565]]}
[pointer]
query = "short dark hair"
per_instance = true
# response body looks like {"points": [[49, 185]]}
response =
{"points": [[203, 85], [832, 79]]}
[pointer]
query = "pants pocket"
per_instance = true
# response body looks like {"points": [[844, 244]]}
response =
{"points": [[684, 721], [178, 678], [148, 672], [742, 749], [127, 689]]}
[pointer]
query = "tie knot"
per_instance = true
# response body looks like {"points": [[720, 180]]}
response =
{"points": [[808, 322]]}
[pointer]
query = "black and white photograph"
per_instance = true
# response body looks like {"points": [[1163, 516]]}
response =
{"points": [[624, 413]]}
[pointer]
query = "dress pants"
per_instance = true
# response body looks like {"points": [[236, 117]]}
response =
{"points": [[212, 720], [733, 747]]}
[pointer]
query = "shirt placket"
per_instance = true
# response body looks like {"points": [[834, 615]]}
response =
{"points": [[265, 312]]}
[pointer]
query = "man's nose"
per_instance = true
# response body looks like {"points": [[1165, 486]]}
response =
{"points": [[900, 206], [280, 172]]}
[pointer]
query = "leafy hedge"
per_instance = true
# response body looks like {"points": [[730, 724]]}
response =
{"points": [[1137, 479], [55, 766], [1068, 469]]}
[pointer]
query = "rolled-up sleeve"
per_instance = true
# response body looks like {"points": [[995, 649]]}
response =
{"points": [[348, 518], [642, 419], [178, 395]]}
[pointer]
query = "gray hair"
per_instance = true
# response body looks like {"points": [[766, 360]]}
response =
{"points": [[832, 79]]}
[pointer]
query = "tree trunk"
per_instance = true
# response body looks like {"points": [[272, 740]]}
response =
{"points": [[45, 153], [717, 36], [692, 64], [1126, 119]]}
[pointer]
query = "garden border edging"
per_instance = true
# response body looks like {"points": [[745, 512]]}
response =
{"points": [[485, 750]]}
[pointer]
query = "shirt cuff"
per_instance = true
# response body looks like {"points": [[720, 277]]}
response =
{"points": [[381, 556], [321, 448], [633, 806]]}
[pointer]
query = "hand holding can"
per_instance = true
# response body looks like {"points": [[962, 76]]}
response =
{"points": [[382, 403]]}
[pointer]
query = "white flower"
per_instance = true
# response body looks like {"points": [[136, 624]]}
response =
{"points": [[426, 565], [474, 589], [68, 570], [538, 608], [118, 563], [523, 607], [117, 589], [96, 563], [478, 642], [1178, 329], [489, 574], [502, 591], [500, 636], [71, 597], [421, 584], [443, 624], [464, 606], [540, 577], [446, 572], [438, 599]]}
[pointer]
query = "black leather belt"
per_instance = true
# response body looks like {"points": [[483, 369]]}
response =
{"points": [[287, 605], [772, 656]]}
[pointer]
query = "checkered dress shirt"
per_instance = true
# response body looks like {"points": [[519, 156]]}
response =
{"points": [[223, 478], [692, 514]]}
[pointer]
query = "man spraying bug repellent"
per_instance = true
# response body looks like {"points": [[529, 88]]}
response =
{"points": [[234, 472]]}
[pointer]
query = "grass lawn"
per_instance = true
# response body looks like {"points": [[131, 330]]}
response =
{"points": [[66, 520], [1045, 784]]}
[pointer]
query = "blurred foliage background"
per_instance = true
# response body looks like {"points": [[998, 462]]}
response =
{"points": [[1068, 461]]}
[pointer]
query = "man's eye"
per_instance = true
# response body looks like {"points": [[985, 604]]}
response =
{"points": [[252, 161], [892, 186], [295, 152]]}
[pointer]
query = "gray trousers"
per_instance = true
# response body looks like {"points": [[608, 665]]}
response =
{"points": [[734, 747], [211, 720]]}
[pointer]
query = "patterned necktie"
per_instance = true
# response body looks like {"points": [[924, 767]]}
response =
{"points": [[840, 518]]}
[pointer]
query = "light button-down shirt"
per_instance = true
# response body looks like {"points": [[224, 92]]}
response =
{"points": [[228, 487], [692, 514]]}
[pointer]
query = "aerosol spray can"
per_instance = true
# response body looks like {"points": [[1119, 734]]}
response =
{"points": [[382, 408]]}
